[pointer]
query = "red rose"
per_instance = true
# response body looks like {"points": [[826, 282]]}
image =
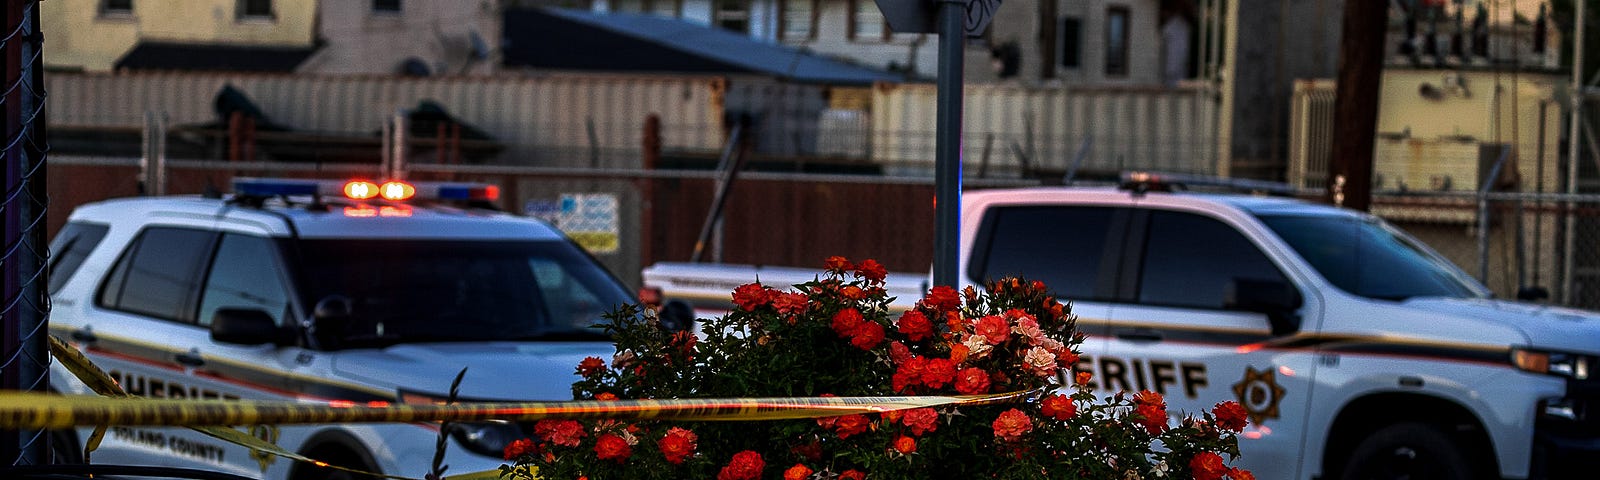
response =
{"points": [[899, 352], [605, 396], [1207, 466], [1011, 425], [677, 444], [1231, 416], [871, 270], [852, 474], [612, 447], [915, 326], [838, 265], [1240, 474], [566, 433], [1058, 406], [959, 352], [846, 321], [993, 328], [942, 298], [746, 465], [810, 451], [797, 472], [972, 381], [751, 296], [790, 303], [867, 336], [905, 445], [849, 425], [1083, 378], [519, 448], [909, 373], [939, 372], [921, 420], [591, 366], [1153, 410]]}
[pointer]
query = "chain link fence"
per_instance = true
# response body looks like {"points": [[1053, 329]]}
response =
{"points": [[1539, 247], [25, 305]]}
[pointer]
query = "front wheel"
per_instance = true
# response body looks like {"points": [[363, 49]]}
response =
{"points": [[1407, 451]]}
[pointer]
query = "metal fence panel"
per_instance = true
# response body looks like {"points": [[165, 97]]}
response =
{"points": [[1021, 131], [549, 120]]}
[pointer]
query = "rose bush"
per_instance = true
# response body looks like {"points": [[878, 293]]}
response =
{"points": [[837, 336]]}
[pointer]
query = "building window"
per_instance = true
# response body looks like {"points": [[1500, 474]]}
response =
{"points": [[386, 6], [1117, 41], [255, 9], [664, 8], [733, 15], [799, 20], [866, 21], [1071, 42], [116, 7]]}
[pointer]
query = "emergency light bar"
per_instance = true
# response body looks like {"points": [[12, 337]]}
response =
{"points": [[365, 190]]}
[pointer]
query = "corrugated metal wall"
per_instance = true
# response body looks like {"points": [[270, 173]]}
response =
{"points": [[546, 120], [1012, 127]]}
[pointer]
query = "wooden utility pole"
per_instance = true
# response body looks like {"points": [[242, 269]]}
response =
{"points": [[1355, 111]]}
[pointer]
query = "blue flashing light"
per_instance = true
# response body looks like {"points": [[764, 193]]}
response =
{"points": [[267, 187]]}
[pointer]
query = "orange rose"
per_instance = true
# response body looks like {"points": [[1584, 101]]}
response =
{"points": [[1011, 425], [677, 445], [797, 472], [905, 445]]}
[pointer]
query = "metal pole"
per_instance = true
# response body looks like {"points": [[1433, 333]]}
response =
{"points": [[1483, 215], [1575, 117], [402, 136], [947, 158]]}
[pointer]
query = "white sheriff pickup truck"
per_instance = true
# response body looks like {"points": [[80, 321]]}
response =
{"points": [[288, 290], [1358, 352]]}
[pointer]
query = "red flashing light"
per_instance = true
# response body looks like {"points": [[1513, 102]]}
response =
{"points": [[395, 190], [360, 190]]}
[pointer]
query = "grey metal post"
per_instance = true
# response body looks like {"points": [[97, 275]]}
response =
{"points": [[1483, 215], [402, 136], [947, 158], [1575, 118], [153, 164]]}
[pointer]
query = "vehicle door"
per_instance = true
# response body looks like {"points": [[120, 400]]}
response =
{"points": [[1071, 248], [1176, 330], [153, 335]]}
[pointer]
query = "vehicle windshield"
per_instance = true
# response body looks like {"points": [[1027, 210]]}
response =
{"points": [[1370, 258], [456, 291]]}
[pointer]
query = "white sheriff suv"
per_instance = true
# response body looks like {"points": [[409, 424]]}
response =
{"points": [[318, 290], [1358, 352]]}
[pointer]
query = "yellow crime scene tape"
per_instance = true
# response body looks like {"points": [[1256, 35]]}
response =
{"points": [[30, 410]]}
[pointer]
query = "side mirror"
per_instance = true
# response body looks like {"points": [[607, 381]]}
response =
{"points": [[1532, 294], [676, 316], [246, 326], [1277, 299]]}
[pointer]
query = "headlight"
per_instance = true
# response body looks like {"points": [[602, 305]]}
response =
{"points": [[488, 438], [485, 438], [1568, 365]]}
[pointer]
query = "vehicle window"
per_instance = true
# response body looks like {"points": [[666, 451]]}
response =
{"points": [[1370, 258], [159, 275], [72, 244], [245, 275], [454, 291], [1189, 260], [1062, 246]]}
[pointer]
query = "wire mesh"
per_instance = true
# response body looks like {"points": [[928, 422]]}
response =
{"points": [[25, 305]]}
